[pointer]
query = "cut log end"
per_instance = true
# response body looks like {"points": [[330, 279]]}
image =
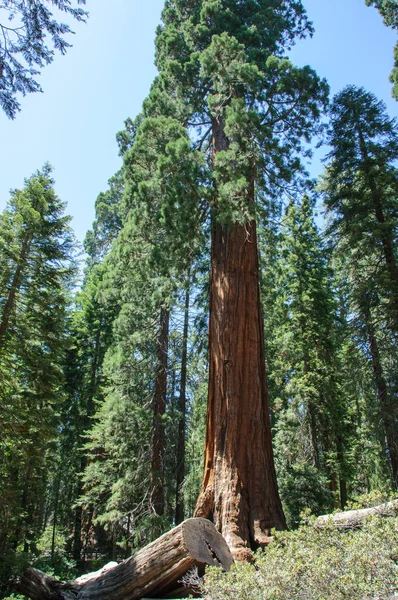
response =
{"points": [[155, 571], [205, 544]]}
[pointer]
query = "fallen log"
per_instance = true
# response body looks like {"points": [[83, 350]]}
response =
{"points": [[155, 571], [351, 519]]}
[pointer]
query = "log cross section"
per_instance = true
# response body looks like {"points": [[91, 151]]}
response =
{"points": [[154, 571]]}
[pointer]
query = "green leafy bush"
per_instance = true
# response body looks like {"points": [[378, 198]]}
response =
{"points": [[304, 488], [316, 564]]}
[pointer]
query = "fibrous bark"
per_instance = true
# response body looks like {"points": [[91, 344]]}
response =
{"points": [[155, 571], [239, 489]]}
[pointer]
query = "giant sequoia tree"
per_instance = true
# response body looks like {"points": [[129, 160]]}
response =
{"points": [[247, 108]]}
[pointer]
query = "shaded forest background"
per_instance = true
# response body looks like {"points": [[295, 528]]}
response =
{"points": [[104, 390]]}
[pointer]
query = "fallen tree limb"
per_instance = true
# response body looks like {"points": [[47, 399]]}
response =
{"points": [[156, 570], [350, 519]]}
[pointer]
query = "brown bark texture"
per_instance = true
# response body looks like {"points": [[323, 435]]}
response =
{"points": [[155, 571], [239, 489]]}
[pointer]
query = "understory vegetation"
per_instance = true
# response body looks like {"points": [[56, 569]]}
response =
{"points": [[211, 286], [314, 563]]}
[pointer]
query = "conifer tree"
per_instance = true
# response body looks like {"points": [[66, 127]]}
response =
{"points": [[361, 182], [389, 11], [24, 45], [360, 185], [248, 108], [35, 284], [304, 367]]}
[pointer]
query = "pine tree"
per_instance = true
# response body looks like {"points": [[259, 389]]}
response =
{"points": [[35, 286], [304, 367], [361, 180], [360, 185]]}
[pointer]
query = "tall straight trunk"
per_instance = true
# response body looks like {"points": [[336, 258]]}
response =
{"points": [[13, 291], [179, 513], [239, 489], [388, 411], [159, 409]]}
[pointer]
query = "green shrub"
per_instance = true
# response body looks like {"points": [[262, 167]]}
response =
{"points": [[316, 564]]}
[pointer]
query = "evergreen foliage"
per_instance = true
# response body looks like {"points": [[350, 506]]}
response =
{"points": [[360, 185], [389, 11], [103, 400], [23, 48], [39, 270], [316, 563]]}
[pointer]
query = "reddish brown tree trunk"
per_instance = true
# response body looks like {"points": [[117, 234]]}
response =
{"points": [[239, 489], [159, 409]]}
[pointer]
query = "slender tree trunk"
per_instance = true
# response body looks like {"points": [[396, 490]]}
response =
{"points": [[239, 489], [159, 409], [388, 411], [55, 516], [179, 514], [24, 521], [342, 481], [13, 291], [313, 436]]}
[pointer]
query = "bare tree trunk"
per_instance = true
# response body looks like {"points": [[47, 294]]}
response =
{"points": [[239, 489], [159, 409], [179, 513], [352, 519]]}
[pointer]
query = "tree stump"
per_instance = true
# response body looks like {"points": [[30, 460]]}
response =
{"points": [[155, 571]]}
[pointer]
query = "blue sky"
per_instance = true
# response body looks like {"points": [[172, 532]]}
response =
{"points": [[106, 75]]}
